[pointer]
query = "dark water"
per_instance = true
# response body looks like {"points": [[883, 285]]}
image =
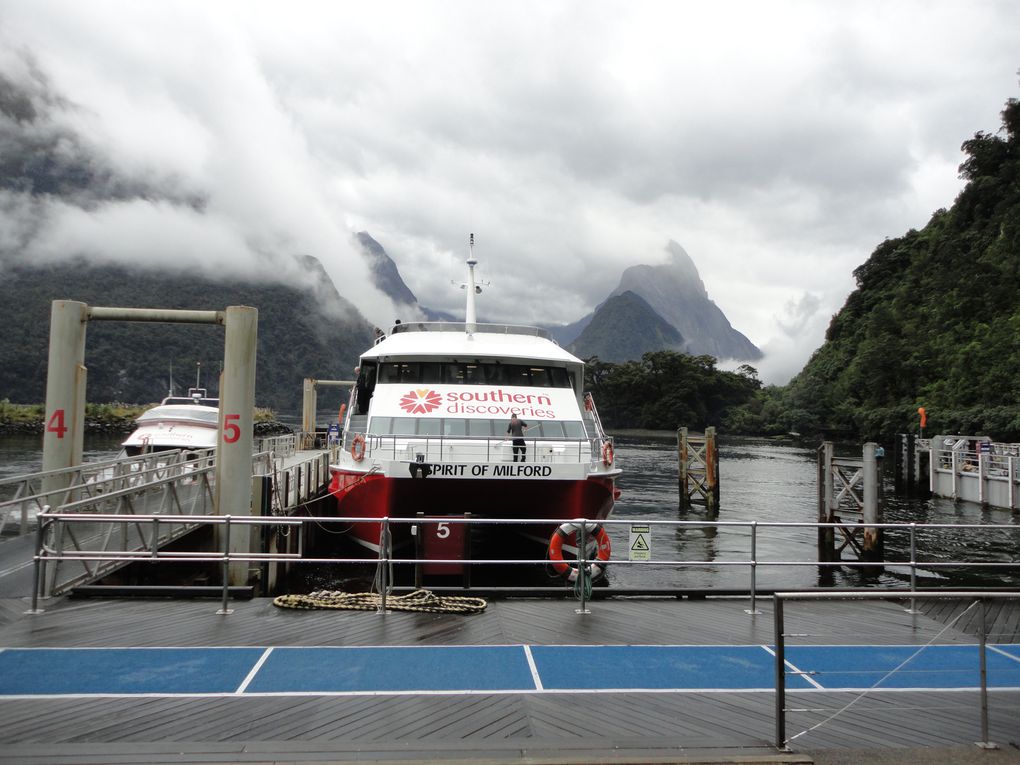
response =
{"points": [[760, 481], [772, 482]]}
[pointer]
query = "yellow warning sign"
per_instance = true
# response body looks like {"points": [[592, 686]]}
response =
{"points": [[640, 542]]}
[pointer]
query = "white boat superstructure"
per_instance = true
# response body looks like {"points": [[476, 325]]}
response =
{"points": [[427, 429], [178, 422]]}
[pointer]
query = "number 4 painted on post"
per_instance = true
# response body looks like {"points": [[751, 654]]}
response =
{"points": [[56, 423]]}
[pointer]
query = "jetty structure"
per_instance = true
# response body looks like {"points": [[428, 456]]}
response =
{"points": [[960, 467], [93, 676]]}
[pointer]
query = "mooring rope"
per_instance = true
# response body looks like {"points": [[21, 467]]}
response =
{"points": [[419, 600]]}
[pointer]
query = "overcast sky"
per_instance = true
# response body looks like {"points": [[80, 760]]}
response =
{"points": [[778, 142]]}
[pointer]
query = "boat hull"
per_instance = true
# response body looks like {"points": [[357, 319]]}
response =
{"points": [[376, 496]]}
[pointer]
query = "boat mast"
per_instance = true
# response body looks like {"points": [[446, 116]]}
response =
{"points": [[470, 318]]}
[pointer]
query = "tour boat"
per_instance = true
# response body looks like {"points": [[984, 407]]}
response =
{"points": [[179, 422], [426, 432]]}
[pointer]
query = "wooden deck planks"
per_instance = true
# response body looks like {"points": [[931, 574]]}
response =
{"points": [[495, 723]]}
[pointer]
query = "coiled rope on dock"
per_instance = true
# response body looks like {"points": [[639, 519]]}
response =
{"points": [[419, 600]]}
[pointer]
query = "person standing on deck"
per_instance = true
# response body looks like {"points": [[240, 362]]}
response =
{"points": [[517, 428]]}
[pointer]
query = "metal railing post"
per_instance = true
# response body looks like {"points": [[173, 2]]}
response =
{"points": [[37, 568], [226, 567], [754, 569], [384, 538], [984, 743], [779, 638], [582, 571], [913, 566]]}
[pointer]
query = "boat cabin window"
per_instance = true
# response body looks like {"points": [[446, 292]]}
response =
{"points": [[475, 428], [473, 373]]}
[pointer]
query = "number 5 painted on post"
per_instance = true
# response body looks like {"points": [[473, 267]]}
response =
{"points": [[231, 430]]}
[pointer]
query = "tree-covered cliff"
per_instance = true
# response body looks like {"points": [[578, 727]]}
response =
{"points": [[934, 321], [302, 332]]}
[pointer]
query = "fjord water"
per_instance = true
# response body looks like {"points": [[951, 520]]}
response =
{"points": [[766, 481], [760, 480]]}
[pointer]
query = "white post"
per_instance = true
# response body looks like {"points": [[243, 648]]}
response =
{"points": [[235, 443], [64, 433], [309, 406]]}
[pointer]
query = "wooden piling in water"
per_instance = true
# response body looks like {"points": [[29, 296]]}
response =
{"points": [[848, 486], [699, 470]]}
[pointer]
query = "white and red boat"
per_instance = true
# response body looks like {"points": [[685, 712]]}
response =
{"points": [[425, 433], [179, 422]]}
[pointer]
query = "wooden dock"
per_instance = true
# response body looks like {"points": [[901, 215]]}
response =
{"points": [[612, 727]]}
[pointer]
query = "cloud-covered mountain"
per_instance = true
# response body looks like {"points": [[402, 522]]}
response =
{"points": [[675, 294], [625, 327], [384, 272], [675, 291], [663, 307]]}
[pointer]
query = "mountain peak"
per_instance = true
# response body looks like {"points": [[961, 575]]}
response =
{"points": [[675, 292], [385, 275]]}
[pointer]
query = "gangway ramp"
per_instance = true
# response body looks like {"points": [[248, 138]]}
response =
{"points": [[174, 485]]}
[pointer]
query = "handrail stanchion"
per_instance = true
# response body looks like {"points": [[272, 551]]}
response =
{"points": [[779, 640], [913, 566], [753, 610], [37, 568], [384, 538], [226, 567], [582, 570], [984, 743]]}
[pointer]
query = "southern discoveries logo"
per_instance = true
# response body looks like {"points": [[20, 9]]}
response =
{"points": [[421, 401], [494, 401]]}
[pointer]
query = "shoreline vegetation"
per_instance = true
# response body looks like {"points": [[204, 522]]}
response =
{"points": [[108, 418]]}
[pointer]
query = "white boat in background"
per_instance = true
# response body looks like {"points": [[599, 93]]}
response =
{"points": [[179, 422], [426, 432]]}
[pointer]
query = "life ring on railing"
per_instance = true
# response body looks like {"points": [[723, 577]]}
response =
{"points": [[607, 453], [568, 570], [358, 447]]}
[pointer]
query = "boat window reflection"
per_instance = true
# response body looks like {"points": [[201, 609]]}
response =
{"points": [[473, 373], [462, 426]]}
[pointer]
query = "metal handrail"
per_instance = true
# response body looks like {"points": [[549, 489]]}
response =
{"points": [[779, 634], [386, 559]]}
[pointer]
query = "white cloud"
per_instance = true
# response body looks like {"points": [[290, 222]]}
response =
{"points": [[779, 142]]}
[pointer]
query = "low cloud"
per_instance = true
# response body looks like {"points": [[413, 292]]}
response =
{"points": [[778, 143]]}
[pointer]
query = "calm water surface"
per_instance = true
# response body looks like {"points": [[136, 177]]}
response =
{"points": [[761, 481]]}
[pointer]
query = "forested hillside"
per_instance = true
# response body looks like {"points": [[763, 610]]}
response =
{"points": [[934, 321], [301, 333]]}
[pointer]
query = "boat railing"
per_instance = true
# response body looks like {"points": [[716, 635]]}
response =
{"points": [[488, 449], [459, 326]]}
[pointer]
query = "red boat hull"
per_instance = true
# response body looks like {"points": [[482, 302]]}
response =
{"points": [[374, 496]]}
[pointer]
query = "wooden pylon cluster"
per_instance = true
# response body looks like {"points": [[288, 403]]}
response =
{"points": [[699, 469]]}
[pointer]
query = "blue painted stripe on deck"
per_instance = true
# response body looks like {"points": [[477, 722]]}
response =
{"points": [[673, 667], [124, 670], [425, 668], [937, 666], [484, 669]]}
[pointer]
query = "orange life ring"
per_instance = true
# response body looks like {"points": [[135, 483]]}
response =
{"points": [[568, 570], [607, 453], [358, 447]]}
